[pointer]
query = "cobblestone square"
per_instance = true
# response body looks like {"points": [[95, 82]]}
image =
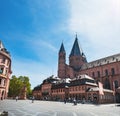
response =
{"points": [[49, 108]]}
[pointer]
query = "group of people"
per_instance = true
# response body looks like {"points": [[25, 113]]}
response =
{"points": [[74, 101], [33, 98]]}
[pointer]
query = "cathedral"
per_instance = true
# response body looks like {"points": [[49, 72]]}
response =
{"points": [[95, 82], [105, 70]]}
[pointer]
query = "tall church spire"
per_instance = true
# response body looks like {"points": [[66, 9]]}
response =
{"points": [[77, 57], [62, 49], [76, 51]]}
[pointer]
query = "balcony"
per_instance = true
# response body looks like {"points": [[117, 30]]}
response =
{"points": [[2, 75]]}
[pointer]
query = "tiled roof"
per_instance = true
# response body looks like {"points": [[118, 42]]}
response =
{"points": [[59, 85], [97, 89], [83, 80], [103, 61], [88, 83], [84, 76]]}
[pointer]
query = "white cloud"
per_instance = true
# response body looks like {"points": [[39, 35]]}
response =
{"points": [[98, 21]]}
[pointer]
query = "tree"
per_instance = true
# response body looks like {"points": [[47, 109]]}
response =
{"points": [[17, 84], [26, 83]]}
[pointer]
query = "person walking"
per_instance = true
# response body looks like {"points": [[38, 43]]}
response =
{"points": [[65, 100], [74, 101], [16, 98], [33, 98]]}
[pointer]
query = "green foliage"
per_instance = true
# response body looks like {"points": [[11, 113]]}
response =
{"points": [[17, 84]]}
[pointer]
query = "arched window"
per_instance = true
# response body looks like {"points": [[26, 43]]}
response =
{"points": [[98, 73], [107, 84], [93, 74], [116, 83], [106, 72], [112, 71]]}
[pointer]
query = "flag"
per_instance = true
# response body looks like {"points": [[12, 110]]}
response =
{"points": [[100, 88]]}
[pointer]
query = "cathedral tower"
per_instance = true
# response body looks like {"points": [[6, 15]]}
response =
{"points": [[77, 57], [62, 62]]}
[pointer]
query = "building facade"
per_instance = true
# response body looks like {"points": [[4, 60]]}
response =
{"points": [[82, 88], [84, 78], [106, 70], [5, 71]]}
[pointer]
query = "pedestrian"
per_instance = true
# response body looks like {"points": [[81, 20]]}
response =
{"points": [[74, 101], [16, 98], [65, 101], [33, 99]]}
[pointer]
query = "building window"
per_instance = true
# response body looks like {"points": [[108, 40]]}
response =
{"points": [[1, 70], [112, 71], [4, 82], [0, 81], [93, 74], [76, 88], [107, 84], [116, 84], [83, 88], [98, 73], [106, 72], [3, 60]]}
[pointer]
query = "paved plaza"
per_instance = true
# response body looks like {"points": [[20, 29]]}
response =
{"points": [[49, 108]]}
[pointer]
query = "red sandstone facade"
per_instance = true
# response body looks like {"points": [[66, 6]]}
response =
{"points": [[82, 88], [5, 71], [105, 71]]}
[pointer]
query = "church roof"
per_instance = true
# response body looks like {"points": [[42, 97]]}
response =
{"points": [[76, 50], [62, 49], [3, 49], [100, 62], [1, 45]]}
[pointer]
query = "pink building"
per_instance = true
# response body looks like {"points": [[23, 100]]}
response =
{"points": [[85, 78], [5, 71], [106, 70]]}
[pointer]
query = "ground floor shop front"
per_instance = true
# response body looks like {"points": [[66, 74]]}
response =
{"points": [[86, 97]]}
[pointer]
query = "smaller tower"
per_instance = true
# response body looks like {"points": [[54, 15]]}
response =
{"points": [[77, 57], [62, 62]]}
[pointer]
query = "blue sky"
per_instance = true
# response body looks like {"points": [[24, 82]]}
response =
{"points": [[32, 31]]}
